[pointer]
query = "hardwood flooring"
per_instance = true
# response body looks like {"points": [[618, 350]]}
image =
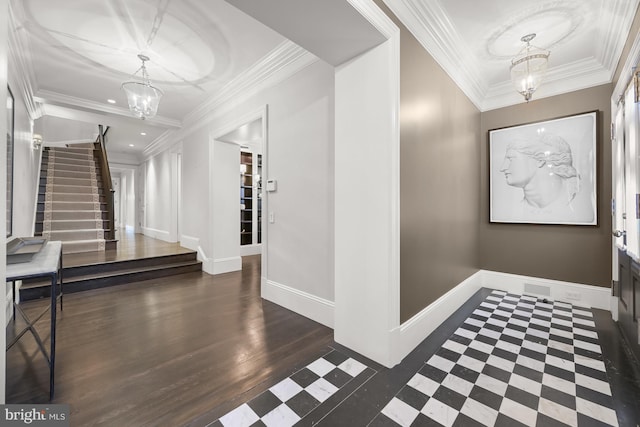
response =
{"points": [[163, 352], [130, 246]]}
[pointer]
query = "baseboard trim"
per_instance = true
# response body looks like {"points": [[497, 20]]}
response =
{"points": [[557, 290], [407, 336], [303, 303], [411, 333], [157, 234], [189, 242], [224, 265], [247, 250]]}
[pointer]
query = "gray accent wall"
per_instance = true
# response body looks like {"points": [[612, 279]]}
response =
{"points": [[580, 254], [439, 169]]}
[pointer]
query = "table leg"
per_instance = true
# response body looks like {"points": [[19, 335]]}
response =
{"points": [[52, 354]]}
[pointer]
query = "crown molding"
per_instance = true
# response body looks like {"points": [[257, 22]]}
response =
{"points": [[375, 16], [428, 23], [20, 63], [281, 63], [254, 77], [59, 99], [630, 64], [617, 30]]}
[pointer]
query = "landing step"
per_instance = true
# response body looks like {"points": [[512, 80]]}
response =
{"points": [[30, 291]]}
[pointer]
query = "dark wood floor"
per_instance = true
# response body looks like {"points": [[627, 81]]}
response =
{"points": [[130, 246], [163, 352]]}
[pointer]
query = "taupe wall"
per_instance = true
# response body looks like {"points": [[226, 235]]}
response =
{"points": [[569, 253], [439, 152]]}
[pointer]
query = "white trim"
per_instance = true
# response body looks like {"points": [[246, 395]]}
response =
{"points": [[412, 332], [224, 265], [303, 303], [255, 249], [614, 308], [429, 23], [283, 62], [633, 58], [20, 62], [193, 243], [574, 293], [54, 98], [189, 242], [157, 234]]}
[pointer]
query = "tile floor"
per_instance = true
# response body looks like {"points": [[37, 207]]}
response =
{"points": [[516, 361], [502, 360]]}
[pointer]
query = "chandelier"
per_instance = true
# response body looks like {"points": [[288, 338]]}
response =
{"points": [[142, 96], [529, 67]]}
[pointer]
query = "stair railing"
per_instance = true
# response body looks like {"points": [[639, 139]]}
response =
{"points": [[106, 182]]}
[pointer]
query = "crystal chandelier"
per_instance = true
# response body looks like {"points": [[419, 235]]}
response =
{"points": [[529, 67], [142, 96]]}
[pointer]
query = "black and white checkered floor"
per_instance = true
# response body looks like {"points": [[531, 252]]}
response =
{"points": [[515, 361], [291, 399]]}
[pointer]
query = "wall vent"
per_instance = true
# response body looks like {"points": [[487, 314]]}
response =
{"points": [[537, 289]]}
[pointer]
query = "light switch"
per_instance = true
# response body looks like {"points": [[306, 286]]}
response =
{"points": [[272, 217]]}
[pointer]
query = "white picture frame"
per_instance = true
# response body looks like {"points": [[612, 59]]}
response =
{"points": [[545, 172]]}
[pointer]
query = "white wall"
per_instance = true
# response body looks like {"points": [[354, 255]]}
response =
{"points": [[367, 203], [4, 15], [157, 190], [225, 212], [26, 165], [299, 154]]}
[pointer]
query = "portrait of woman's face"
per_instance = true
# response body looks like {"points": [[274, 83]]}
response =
{"points": [[518, 168]]}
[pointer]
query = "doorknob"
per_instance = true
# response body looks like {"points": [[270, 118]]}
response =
{"points": [[618, 233]]}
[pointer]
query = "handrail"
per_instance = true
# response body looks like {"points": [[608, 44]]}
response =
{"points": [[106, 182]]}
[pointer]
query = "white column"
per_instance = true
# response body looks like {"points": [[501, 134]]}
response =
{"points": [[367, 242]]}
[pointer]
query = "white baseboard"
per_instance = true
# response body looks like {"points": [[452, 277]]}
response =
{"points": [[614, 308], [573, 293], [157, 234], [407, 336], [305, 304], [222, 265], [246, 250], [189, 242]]}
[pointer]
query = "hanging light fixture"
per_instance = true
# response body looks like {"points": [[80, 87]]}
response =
{"points": [[529, 67], [143, 97]]}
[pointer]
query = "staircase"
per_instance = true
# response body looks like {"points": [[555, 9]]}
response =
{"points": [[72, 204]]}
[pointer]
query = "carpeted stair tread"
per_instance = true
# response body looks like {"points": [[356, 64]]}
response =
{"points": [[71, 202], [76, 215]]}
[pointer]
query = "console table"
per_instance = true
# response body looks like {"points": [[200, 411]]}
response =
{"points": [[45, 264]]}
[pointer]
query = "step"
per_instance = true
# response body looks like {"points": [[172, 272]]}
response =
{"points": [[111, 267], [72, 155], [121, 277], [73, 224], [63, 180], [57, 188], [71, 235], [68, 174], [69, 167], [71, 197], [67, 206], [72, 215]]}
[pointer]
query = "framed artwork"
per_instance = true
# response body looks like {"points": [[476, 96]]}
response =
{"points": [[10, 143], [545, 172]]}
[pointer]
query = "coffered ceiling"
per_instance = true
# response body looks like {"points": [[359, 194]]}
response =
{"points": [[73, 55]]}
